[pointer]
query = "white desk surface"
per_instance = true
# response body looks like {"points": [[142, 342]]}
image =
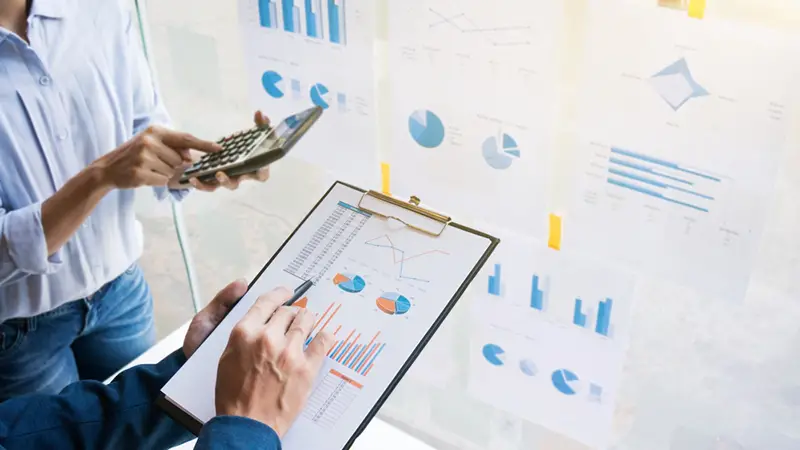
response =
{"points": [[378, 434]]}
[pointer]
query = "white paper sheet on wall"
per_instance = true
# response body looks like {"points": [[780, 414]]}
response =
{"points": [[682, 126], [551, 335], [473, 109], [317, 52]]}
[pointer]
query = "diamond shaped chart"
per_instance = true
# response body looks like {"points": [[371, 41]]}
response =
{"points": [[676, 85]]}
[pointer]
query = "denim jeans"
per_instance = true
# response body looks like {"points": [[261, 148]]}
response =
{"points": [[87, 339]]}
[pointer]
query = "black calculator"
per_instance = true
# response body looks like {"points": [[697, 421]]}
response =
{"points": [[249, 150]]}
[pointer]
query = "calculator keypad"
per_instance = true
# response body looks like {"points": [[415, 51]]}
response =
{"points": [[235, 147]]}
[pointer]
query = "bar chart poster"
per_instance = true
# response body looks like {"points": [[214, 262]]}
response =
{"points": [[304, 53], [525, 282], [678, 151]]}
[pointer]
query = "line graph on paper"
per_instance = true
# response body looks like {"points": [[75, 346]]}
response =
{"points": [[405, 261], [494, 35]]}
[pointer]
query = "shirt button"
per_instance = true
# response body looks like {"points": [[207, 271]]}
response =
{"points": [[45, 80], [62, 135]]}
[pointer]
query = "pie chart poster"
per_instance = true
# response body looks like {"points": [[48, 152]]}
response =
{"points": [[558, 394]]}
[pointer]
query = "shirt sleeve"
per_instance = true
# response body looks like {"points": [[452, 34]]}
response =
{"points": [[91, 415], [234, 433], [23, 246], [148, 107]]}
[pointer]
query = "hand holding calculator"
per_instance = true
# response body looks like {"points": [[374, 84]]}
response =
{"points": [[250, 150]]}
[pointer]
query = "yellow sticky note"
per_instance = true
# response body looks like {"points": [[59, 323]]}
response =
{"points": [[386, 178], [555, 232], [697, 8]]}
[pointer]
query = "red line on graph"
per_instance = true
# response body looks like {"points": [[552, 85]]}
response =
{"points": [[368, 369], [395, 249], [344, 344]]}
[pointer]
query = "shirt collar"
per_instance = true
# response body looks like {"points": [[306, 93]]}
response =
{"points": [[52, 9]]}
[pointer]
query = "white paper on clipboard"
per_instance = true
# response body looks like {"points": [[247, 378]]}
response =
{"points": [[379, 289]]}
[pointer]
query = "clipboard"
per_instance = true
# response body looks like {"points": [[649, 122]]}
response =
{"points": [[355, 365]]}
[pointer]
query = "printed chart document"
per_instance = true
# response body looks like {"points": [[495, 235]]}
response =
{"points": [[682, 126], [551, 337], [472, 87], [301, 53], [380, 289]]}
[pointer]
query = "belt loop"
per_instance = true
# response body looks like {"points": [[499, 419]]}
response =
{"points": [[31, 324]]}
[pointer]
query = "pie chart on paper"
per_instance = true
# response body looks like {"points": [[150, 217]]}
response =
{"points": [[319, 95], [494, 354], [273, 83], [565, 381], [349, 282], [426, 128], [393, 303], [500, 151]]}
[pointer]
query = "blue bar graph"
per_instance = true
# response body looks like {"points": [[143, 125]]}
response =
{"points": [[604, 317], [653, 193], [371, 361], [649, 170], [291, 16], [341, 99], [297, 90], [268, 13], [662, 162], [494, 281], [314, 18], [363, 363], [579, 318], [336, 21], [537, 295], [655, 183]]}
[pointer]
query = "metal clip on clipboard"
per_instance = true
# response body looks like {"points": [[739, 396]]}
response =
{"points": [[409, 213]]}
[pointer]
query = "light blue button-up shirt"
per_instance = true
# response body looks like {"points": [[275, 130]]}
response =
{"points": [[80, 89]]}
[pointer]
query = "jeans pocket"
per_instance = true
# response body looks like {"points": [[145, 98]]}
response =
{"points": [[12, 332]]}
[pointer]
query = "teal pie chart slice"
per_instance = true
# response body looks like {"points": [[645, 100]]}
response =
{"points": [[273, 84], [319, 93], [565, 381], [494, 354], [426, 128]]}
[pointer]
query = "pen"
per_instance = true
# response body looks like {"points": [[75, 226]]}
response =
{"points": [[299, 292]]}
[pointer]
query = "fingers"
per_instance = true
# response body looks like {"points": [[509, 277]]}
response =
{"points": [[317, 349], [177, 140], [278, 324], [230, 183], [260, 119], [197, 184], [155, 164], [264, 307], [299, 330], [224, 300]]}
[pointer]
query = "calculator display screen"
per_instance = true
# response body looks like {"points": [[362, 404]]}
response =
{"points": [[290, 124]]}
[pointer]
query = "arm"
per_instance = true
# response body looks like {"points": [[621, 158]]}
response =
{"points": [[30, 237], [235, 433], [90, 415]]}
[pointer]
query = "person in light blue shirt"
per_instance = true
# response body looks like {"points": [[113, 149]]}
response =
{"points": [[81, 126]]}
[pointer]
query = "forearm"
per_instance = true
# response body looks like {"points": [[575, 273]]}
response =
{"points": [[69, 207], [90, 415]]}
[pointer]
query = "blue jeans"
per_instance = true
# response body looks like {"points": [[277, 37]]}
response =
{"points": [[87, 339]]}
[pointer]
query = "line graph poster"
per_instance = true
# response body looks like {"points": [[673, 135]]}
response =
{"points": [[408, 263], [507, 31], [497, 56], [682, 125]]}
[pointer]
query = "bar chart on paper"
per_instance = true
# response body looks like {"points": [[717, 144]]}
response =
{"points": [[666, 181], [538, 288], [602, 322], [316, 19]]}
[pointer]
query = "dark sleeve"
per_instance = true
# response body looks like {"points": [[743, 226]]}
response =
{"points": [[235, 433], [91, 415]]}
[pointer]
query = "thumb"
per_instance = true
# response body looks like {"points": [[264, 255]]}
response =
{"points": [[225, 299], [317, 350]]}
